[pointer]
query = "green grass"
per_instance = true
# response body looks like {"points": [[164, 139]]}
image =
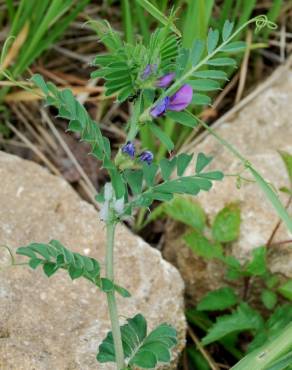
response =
{"points": [[46, 20]]}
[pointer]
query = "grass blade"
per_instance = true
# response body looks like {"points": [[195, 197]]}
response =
{"points": [[157, 14]]}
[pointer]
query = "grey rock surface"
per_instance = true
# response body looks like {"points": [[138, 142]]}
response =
{"points": [[57, 324], [258, 131]]}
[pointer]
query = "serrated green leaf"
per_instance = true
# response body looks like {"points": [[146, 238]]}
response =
{"points": [[202, 162], [219, 299], [243, 319], [202, 246], [227, 29], [226, 226], [269, 298], [185, 210], [258, 265], [139, 348], [286, 290], [212, 40], [234, 270]]}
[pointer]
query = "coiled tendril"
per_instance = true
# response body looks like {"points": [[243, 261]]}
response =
{"points": [[263, 21]]}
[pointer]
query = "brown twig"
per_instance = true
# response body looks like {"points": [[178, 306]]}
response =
{"points": [[205, 354]]}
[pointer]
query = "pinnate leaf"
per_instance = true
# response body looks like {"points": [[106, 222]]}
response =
{"points": [[140, 349]]}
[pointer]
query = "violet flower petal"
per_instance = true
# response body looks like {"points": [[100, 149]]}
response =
{"points": [[181, 99], [147, 71], [129, 149], [160, 108], [165, 80], [147, 157]]}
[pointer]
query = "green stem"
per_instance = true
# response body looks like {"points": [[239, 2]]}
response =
{"points": [[111, 299], [262, 183]]}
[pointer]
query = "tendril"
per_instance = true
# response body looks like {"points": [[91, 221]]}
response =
{"points": [[12, 259], [263, 21]]}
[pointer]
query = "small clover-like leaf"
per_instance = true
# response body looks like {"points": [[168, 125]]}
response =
{"points": [[140, 349]]}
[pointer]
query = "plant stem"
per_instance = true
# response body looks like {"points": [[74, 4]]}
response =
{"points": [[111, 299]]}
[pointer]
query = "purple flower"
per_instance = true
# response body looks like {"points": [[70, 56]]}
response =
{"points": [[181, 99], [129, 149], [165, 80], [177, 102], [150, 68], [147, 157], [160, 108]]}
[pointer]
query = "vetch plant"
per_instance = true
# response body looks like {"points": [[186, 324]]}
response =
{"points": [[159, 78]]}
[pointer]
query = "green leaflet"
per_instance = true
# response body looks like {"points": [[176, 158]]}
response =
{"points": [[227, 29], [258, 265], [212, 40], [140, 349]]}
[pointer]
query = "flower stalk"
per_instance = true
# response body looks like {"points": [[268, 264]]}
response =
{"points": [[111, 299]]}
